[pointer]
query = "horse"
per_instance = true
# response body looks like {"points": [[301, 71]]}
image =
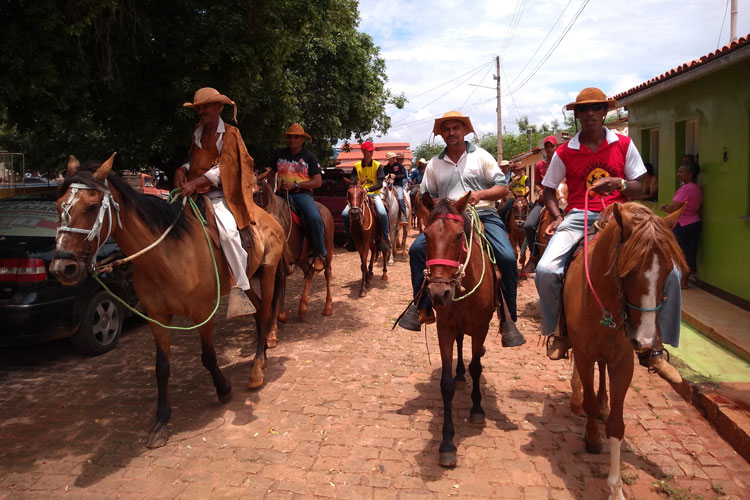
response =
{"points": [[390, 200], [629, 261], [404, 225], [364, 229], [297, 250], [545, 218], [176, 277], [516, 234], [458, 267], [419, 213]]}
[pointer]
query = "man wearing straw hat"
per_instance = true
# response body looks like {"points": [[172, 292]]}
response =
{"points": [[610, 164], [395, 169], [415, 179], [462, 167], [221, 168], [297, 172]]}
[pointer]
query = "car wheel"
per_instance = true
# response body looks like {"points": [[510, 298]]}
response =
{"points": [[101, 325]]}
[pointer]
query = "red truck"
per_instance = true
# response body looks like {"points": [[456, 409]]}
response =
{"points": [[144, 183]]}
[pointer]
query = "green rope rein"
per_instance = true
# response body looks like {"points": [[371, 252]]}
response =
{"points": [[202, 220], [484, 246]]}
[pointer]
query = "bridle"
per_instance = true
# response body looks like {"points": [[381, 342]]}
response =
{"points": [[365, 206], [520, 218], [107, 206]]}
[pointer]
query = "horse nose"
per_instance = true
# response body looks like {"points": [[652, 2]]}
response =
{"points": [[67, 272], [440, 294]]}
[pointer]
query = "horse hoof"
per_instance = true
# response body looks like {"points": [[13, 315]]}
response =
{"points": [[271, 343], [594, 447], [384, 277], [301, 314], [576, 408], [603, 415], [255, 382], [283, 317], [476, 417], [157, 437], [256, 375], [362, 293], [370, 274], [327, 311], [448, 458], [226, 397], [459, 385]]}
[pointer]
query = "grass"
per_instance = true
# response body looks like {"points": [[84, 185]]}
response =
{"points": [[629, 477], [718, 489], [674, 492]]}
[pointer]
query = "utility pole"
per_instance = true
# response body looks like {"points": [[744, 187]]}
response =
{"points": [[499, 115], [733, 22]]}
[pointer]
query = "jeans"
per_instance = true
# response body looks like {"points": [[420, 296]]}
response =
{"points": [[312, 221], [551, 269], [379, 208], [530, 226], [494, 229], [401, 200]]}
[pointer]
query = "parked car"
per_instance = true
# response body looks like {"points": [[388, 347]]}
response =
{"points": [[144, 183], [34, 306], [332, 194]]}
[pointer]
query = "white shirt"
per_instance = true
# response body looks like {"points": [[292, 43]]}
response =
{"points": [[476, 170], [212, 174]]}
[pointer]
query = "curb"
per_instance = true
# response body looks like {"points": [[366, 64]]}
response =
{"points": [[714, 335]]}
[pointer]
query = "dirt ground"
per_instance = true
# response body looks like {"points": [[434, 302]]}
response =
{"points": [[349, 409]]}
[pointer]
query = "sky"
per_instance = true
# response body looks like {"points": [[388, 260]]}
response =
{"points": [[441, 54]]}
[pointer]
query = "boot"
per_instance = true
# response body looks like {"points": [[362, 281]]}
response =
{"points": [[426, 316], [557, 347], [410, 319], [239, 303], [661, 366]]}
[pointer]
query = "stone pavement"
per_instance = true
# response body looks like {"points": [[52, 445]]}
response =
{"points": [[349, 409]]}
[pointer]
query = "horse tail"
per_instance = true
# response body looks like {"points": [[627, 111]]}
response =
{"points": [[279, 284]]}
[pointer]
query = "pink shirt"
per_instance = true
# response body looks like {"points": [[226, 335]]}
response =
{"points": [[690, 193]]}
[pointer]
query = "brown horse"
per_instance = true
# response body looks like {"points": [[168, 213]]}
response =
{"points": [[364, 229], [629, 261], [458, 267], [176, 277], [297, 249], [519, 213], [419, 214]]}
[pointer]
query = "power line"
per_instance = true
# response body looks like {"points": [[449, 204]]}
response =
{"points": [[408, 124], [475, 88], [520, 5], [723, 19]]}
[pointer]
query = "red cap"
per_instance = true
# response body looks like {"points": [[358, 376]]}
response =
{"points": [[367, 146], [550, 138]]}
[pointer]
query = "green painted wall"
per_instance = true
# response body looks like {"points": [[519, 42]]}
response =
{"points": [[721, 103]]}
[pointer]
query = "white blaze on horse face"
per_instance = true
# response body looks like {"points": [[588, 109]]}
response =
{"points": [[645, 331], [66, 206], [614, 480]]}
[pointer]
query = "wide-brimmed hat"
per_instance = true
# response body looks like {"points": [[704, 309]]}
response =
{"points": [[504, 163], [591, 95], [297, 129], [389, 155], [207, 95], [422, 160], [452, 115], [367, 146]]}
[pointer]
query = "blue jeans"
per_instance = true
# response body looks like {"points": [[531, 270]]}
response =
{"points": [[401, 200], [494, 229], [530, 226], [551, 269], [313, 223], [379, 208]]}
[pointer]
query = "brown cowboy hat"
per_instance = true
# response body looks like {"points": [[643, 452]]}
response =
{"points": [[591, 95], [296, 129], [452, 115], [207, 95]]}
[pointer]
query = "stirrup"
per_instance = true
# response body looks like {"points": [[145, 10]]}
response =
{"points": [[653, 354], [312, 259], [550, 340]]}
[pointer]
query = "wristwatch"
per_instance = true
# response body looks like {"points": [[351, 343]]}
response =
{"points": [[623, 185], [296, 186]]}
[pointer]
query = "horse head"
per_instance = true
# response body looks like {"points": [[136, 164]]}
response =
{"points": [[520, 211], [355, 196], [263, 191], [445, 233], [647, 255], [86, 221]]}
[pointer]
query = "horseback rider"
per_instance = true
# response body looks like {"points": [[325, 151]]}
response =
{"points": [[610, 164], [532, 220], [415, 179], [296, 171], [221, 168], [371, 171], [462, 167], [519, 185], [395, 169]]}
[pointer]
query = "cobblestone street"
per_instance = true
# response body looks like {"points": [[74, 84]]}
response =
{"points": [[349, 409]]}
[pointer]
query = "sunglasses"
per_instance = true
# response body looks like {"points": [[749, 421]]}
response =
{"points": [[599, 106]]}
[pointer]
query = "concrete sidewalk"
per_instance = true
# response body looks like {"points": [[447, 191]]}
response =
{"points": [[714, 359]]}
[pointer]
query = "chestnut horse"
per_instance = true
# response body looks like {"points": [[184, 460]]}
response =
{"points": [[628, 264], [459, 266], [176, 277], [364, 229], [295, 244]]}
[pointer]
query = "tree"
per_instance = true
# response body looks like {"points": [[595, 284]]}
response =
{"points": [[427, 150], [93, 76]]}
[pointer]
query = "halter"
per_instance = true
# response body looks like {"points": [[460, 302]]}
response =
{"points": [[107, 206]]}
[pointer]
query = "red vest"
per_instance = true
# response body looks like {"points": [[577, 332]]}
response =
{"points": [[584, 167]]}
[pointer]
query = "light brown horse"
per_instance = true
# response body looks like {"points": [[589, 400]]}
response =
{"points": [[176, 277], [629, 261], [518, 214], [458, 268], [419, 214], [297, 250], [364, 229]]}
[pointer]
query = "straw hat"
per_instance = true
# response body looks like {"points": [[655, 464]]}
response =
{"points": [[389, 155], [591, 95], [452, 115], [422, 161], [296, 129], [207, 95]]}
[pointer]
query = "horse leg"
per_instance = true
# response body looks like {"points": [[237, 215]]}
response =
{"points": [[327, 309], [157, 435], [365, 275], [281, 315], [208, 358], [619, 381], [447, 389], [601, 394], [460, 380], [476, 415], [404, 234], [303, 300], [263, 324], [591, 438], [576, 392], [385, 266]]}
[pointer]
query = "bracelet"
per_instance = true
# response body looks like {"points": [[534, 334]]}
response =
{"points": [[623, 185]]}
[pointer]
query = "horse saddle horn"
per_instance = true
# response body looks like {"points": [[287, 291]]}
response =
{"points": [[239, 303]]}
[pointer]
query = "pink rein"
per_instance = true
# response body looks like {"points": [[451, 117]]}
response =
{"points": [[606, 315], [447, 262]]}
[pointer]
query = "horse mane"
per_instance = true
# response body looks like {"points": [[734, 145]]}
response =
{"points": [[650, 234], [445, 206], [156, 213]]}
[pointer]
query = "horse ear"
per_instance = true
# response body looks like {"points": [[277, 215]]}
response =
{"points": [[102, 172], [672, 218], [616, 211], [462, 202], [428, 202], [73, 165], [263, 175]]}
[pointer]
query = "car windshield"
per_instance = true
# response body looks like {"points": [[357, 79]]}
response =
{"points": [[28, 216]]}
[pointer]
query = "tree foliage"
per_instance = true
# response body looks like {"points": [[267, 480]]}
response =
{"points": [[427, 150], [93, 76]]}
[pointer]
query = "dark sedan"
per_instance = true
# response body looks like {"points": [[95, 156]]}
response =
{"points": [[34, 306]]}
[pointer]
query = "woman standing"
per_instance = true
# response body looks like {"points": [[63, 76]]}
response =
{"points": [[688, 227]]}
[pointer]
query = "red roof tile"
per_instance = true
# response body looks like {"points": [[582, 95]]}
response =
{"points": [[347, 159], [683, 68]]}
